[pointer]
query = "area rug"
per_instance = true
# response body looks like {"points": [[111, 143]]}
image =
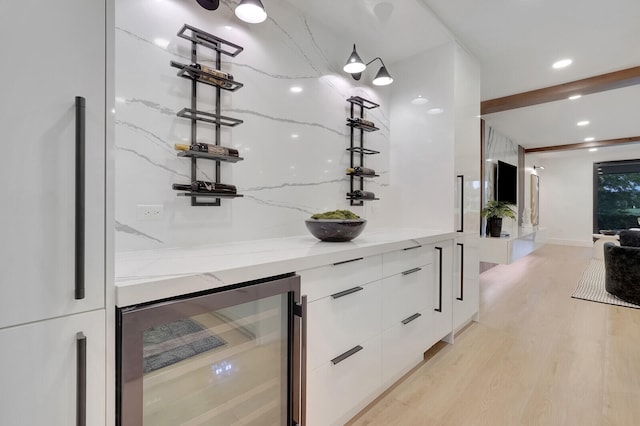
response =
{"points": [[591, 286], [170, 343]]}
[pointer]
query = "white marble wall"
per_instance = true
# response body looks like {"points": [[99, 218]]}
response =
{"points": [[293, 143]]}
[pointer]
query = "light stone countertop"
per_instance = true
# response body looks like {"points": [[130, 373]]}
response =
{"points": [[148, 275]]}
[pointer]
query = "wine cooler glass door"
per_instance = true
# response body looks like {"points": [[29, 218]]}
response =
{"points": [[210, 362]]}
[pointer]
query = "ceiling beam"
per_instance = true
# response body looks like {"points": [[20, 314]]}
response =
{"points": [[586, 86], [584, 145]]}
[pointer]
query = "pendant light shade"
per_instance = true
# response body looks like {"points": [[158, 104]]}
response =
{"points": [[354, 64], [251, 11], [209, 4], [382, 78]]}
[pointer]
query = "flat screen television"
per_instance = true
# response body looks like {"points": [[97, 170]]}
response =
{"points": [[506, 183]]}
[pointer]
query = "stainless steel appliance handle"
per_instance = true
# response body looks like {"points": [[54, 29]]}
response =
{"points": [[80, 196], [461, 177], [81, 379]]}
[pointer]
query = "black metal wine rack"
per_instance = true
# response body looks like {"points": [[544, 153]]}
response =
{"points": [[357, 149], [189, 71]]}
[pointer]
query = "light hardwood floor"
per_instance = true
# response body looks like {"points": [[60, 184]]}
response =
{"points": [[537, 357]]}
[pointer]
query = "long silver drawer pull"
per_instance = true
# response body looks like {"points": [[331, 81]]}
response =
{"points": [[347, 292], [80, 196], [411, 248], [346, 355], [411, 318], [411, 271], [81, 379], [347, 261]]}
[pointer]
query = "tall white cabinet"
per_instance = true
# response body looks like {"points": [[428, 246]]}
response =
{"points": [[466, 84], [53, 53]]}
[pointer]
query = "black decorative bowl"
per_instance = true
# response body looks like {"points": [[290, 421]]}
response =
{"points": [[608, 232], [336, 230]]}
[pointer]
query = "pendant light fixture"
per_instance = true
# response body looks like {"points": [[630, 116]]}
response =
{"points": [[251, 11], [356, 66], [209, 4]]}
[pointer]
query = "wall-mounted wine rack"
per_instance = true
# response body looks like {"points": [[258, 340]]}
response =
{"points": [[356, 149], [219, 81]]}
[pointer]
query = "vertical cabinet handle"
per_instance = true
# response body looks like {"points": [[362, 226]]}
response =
{"points": [[439, 308], [303, 365], [81, 379], [80, 194], [461, 298], [461, 178]]}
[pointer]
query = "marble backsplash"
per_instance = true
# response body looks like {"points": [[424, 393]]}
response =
{"points": [[293, 140]]}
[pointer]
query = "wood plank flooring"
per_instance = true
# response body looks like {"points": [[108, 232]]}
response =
{"points": [[537, 357]]}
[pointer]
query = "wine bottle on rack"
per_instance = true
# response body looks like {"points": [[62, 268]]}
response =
{"points": [[206, 187], [208, 74], [362, 195], [364, 122], [361, 171], [214, 149]]}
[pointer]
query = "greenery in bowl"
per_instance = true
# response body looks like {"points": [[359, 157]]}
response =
{"points": [[336, 214], [498, 209]]}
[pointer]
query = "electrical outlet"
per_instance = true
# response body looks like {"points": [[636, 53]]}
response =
{"points": [[148, 212]]}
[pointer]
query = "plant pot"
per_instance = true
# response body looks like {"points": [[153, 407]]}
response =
{"points": [[494, 226]]}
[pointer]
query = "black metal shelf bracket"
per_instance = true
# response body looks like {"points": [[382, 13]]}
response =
{"points": [[219, 82], [356, 148]]}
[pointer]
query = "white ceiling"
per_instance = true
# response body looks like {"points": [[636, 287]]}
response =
{"points": [[515, 41]]}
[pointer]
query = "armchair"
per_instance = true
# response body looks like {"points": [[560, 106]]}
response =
{"points": [[622, 267]]}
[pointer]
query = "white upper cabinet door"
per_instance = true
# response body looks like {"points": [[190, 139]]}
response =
{"points": [[42, 364], [52, 51]]}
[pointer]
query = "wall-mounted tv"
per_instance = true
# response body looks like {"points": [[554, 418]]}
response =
{"points": [[506, 183]]}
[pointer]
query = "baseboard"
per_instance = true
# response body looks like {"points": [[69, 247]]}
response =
{"points": [[574, 243]]}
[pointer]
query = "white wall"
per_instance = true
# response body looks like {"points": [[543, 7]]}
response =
{"points": [[566, 190], [284, 179]]}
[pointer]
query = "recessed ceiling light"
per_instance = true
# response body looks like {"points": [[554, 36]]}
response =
{"points": [[562, 63], [574, 97], [582, 123], [489, 160], [593, 149], [434, 111], [228, 27], [295, 136], [296, 89], [161, 42], [419, 100], [589, 139]]}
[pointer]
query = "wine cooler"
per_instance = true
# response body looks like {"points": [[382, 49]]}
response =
{"points": [[229, 357]]}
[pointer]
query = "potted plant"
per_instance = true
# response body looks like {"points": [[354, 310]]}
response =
{"points": [[494, 212]]}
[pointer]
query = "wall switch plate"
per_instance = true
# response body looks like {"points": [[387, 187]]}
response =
{"points": [[148, 212]]}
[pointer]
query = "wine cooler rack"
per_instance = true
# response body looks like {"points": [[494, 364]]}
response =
{"points": [[356, 149], [219, 82]]}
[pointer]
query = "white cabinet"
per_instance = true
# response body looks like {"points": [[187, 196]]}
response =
{"points": [[57, 51], [40, 370], [466, 280], [54, 96], [441, 309]]}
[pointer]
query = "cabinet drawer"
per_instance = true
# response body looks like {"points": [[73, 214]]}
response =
{"points": [[406, 293], [396, 262], [336, 324], [326, 280], [403, 347], [336, 392]]}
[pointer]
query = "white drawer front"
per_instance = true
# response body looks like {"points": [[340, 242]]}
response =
{"points": [[337, 324], [336, 392], [403, 347], [326, 280], [402, 260], [405, 294]]}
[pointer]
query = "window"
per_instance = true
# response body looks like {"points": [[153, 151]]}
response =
{"points": [[616, 198]]}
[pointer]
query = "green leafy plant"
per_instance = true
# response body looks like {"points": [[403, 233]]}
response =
{"points": [[336, 214], [498, 209]]}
